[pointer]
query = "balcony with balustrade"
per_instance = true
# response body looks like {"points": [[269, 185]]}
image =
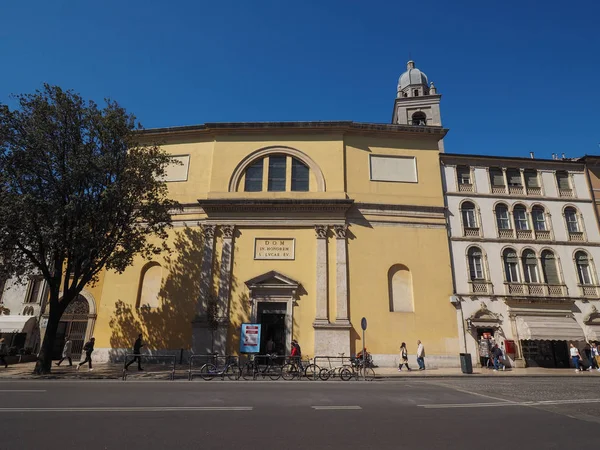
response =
{"points": [[568, 193], [472, 232], [466, 187], [481, 287], [536, 289], [543, 235], [506, 233], [534, 190], [589, 290], [498, 189], [515, 189], [524, 234], [576, 236]]}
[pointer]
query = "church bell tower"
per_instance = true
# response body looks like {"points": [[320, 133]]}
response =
{"points": [[417, 101]]}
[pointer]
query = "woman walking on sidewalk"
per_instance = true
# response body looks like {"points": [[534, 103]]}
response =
{"points": [[576, 357], [403, 357], [66, 353]]}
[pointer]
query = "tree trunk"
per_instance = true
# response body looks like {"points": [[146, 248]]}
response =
{"points": [[44, 362]]}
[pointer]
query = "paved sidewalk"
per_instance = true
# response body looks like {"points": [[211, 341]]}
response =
{"points": [[108, 371]]}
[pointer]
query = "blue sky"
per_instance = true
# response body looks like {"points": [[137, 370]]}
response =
{"points": [[516, 76]]}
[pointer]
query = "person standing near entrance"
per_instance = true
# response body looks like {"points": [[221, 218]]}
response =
{"points": [[3, 353], [575, 356], [137, 348], [88, 348], [66, 353], [596, 355], [403, 357], [497, 354], [296, 354], [270, 345], [421, 355]]}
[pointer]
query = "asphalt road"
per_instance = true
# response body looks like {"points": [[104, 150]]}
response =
{"points": [[532, 413]]}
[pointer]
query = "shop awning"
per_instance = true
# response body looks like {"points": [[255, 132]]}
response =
{"points": [[17, 324], [549, 328]]}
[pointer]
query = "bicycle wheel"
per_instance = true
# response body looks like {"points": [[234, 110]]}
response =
{"points": [[232, 372], [289, 371], [208, 372], [345, 374], [312, 372], [324, 374], [273, 373], [248, 371], [367, 373]]}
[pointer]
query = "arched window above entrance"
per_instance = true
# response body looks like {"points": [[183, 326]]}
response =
{"points": [[400, 289]]}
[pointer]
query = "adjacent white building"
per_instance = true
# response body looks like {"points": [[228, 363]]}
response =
{"points": [[524, 237], [20, 303]]}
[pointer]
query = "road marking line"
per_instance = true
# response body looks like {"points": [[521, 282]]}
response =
{"points": [[530, 403], [464, 391], [132, 409], [335, 407], [22, 390]]}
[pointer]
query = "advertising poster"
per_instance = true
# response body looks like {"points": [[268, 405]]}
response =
{"points": [[250, 339]]}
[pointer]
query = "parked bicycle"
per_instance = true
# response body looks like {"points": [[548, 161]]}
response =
{"points": [[360, 371], [230, 369], [344, 371], [252, 369]]}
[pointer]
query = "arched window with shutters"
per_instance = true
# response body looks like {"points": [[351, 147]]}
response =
{"points": [[530, 266], [400, 289], [511, 265], [550, 268], [503, 220], [476, 269], [538, 216], [520, 217], [469, 219], [584, 271]]}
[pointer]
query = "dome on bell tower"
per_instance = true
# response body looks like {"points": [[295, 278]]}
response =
{"points": [[412, 77]]}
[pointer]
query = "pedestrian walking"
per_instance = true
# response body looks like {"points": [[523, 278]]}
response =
{"points": [[137, 349], [589, 355], [576, 357], [3, 353], [296, 354], [88, 348], [484, 351], [421, 355], [66, 353], [403, 357], [596, 355], [498, 355]]}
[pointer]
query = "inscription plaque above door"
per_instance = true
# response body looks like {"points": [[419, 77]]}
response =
{"points": [[274, 248]]}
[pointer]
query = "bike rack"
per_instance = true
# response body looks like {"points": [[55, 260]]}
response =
{"points": [[167, 358], [213, 359]]}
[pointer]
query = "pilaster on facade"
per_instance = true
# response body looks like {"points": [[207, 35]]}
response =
{"points": [[206, 276], [322, 316], [341, 262], [225, 275]]}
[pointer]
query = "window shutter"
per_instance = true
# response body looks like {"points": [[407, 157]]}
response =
{"points": [[514, 178], [531, 179], [497, 177], [511, 257], [563, 180], [550, 268]]}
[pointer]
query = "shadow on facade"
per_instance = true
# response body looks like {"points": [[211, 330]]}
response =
{"points": [[168, 328]]}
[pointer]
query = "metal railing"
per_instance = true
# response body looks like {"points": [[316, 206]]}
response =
{"points": [[168, 362]]}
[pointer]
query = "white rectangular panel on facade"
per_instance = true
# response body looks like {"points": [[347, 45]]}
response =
{"points": [[274, 248], [178, 171], [393, 168]]}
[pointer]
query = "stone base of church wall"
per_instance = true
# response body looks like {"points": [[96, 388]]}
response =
{"points": [[331, 340]]}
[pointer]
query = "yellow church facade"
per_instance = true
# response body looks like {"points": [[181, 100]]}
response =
{"points": [[304, 228]]}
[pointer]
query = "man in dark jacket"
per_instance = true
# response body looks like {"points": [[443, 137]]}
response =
{"points": [[137, 348], [88, 348]]}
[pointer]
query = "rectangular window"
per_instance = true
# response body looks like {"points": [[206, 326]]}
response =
{"points": [[584, 274], [469, 218], [496, 177], [572, 222], [539, 221], [254, 177], [35, 286], [300, 176], [277, 169], [531, 179], [464, 175], [514, 177], [562, 179]]}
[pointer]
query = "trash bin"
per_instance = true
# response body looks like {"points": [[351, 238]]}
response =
{"points": [[465, 363]]}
